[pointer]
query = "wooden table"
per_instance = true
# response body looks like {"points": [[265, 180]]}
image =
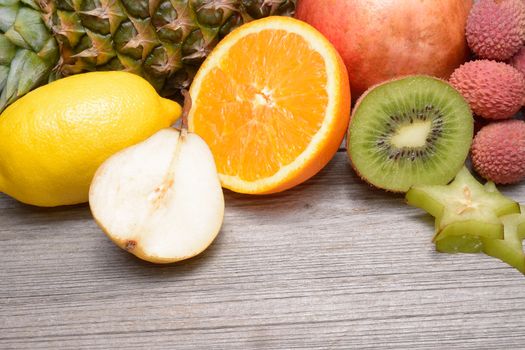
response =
{"points": [[331, 264]]}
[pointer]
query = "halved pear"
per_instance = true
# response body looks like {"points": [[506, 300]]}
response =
{"points": [[160, 199]]}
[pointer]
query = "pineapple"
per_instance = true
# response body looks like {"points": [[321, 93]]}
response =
{"points": [[164, 41], [28, 52]]}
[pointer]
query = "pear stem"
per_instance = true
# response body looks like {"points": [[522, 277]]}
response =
{"points": [[185, 111]]}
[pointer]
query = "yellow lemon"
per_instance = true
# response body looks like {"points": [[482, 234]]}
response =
{"points": [[53, 139]]}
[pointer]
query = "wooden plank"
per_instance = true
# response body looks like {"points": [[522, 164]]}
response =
{"points": [[331, 264]]}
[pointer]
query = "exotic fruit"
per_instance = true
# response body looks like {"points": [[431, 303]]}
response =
{"points": [[164, 41], [496, 28], [494, 90], [380, 40], [498, 152], [415, 130], [467, 213]]}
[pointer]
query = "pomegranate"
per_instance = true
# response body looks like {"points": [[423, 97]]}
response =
{"points": [[383, 39]]}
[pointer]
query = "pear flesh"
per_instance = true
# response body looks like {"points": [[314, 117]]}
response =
{"points": [[160, 199]]}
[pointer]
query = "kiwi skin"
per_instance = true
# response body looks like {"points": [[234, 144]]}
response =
{"points": [[355, 108]]}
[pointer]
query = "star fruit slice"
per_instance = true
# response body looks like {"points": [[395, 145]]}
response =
{"points": [[465, 211], [509, 249], [467, 243]]}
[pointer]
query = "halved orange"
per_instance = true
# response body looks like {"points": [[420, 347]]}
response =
{"points": [[273, 103]]}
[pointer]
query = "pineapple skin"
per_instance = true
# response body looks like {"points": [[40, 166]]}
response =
{"points": [[28, 52], [164, 41]]}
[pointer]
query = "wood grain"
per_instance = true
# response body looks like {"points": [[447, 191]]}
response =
{"points": [[332, 264]]}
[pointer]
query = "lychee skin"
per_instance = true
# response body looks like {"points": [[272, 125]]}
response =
{"points": [[518, 60], [494, 90], [498, 152], [496, 28]]}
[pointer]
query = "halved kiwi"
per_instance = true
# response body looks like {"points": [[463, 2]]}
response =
{"points": [[409, 131]]}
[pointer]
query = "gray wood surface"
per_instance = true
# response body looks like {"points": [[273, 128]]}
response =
{"points": [[331, 264]]}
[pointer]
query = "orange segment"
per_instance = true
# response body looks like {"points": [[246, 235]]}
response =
{"points": [[273, 103]]}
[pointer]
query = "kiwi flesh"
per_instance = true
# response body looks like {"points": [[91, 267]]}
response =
{"points": [[466, 212], [409, 131]]}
